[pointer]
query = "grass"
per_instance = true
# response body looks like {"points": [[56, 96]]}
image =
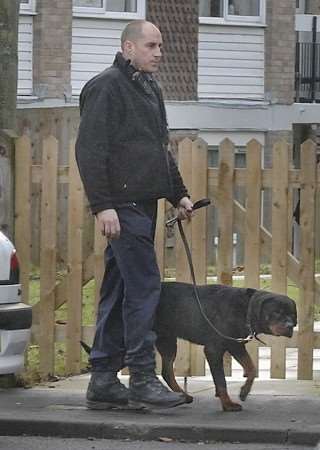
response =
{"points": [[32, 373]]}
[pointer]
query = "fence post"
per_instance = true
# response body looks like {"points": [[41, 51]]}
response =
{"points": [[99, 245], [185, 157], [307, 260], [48, 245], [199, 190], [225, 213], [252, 232], [183, 364], [23, 162], [225, 221], [253, 215], [193, 165], [279, 262], [74, 302], [161, 236]]}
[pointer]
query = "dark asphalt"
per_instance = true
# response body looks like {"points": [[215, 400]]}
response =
{"points": [[41, 443]]}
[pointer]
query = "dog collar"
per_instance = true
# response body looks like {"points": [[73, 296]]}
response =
{"points": [[249, 322]]}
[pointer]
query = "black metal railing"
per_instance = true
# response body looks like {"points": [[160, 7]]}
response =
{"points": [[307, 69], [307, 72]]}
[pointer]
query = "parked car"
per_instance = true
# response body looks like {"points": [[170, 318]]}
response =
{"points": [[15, 316]]}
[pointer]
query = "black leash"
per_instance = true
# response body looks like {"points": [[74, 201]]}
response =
{"points": [[200, 204]]}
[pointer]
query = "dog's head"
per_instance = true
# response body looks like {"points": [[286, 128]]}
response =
{"points": [[273, 313]]}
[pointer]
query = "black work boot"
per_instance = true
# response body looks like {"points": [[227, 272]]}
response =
{"points": [[146, 391], [106, 392]]}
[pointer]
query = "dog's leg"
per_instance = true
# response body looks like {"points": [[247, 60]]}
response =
{"points": [[249, 371], [167, 348], [215, 360]]}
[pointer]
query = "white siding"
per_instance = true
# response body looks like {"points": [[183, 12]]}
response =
{"points": [[25, 40], [94, 45], [231, 62]]}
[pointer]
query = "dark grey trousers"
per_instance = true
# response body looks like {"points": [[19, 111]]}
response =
{"points": [[130, 294]]}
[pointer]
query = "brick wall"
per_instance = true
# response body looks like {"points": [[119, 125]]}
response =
{"points": [[280, 51], [52, 48], [178, 22]]}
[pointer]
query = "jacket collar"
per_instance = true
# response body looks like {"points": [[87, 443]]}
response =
{"points": [[146, 82], [143, 79], [124, 65]]}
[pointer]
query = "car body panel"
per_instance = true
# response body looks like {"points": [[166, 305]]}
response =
{"points": [[6, 250], [10, 293], [13, 344], [15, 316]]}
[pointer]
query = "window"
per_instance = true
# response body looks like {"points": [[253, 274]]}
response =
{"points": [[211, 8], [122, 5], [239, 154], [244, 7], [27, 6], [88, 3], [224, 11], [301, 7], [127, 9]]}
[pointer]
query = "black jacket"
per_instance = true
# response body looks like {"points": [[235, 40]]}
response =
{"points": [[121, 148]]}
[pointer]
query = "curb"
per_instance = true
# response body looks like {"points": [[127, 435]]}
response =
{"points": [[151, 432], [306, 437]]}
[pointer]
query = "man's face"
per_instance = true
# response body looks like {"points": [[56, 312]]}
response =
{"points": [[145, 52]]}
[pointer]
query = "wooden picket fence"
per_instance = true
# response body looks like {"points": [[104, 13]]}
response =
{"points": [[217, 184]]}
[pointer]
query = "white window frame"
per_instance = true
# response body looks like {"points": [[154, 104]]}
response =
{"points": [[231, 19], [28, 8], [302, 7], [102, 13]]}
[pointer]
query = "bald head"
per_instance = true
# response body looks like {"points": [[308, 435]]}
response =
{"points": [[141, 42], [135, 30], [132, 31]]}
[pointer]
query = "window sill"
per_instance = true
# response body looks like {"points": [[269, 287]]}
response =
{"points": [[109, 15], [233, 23], [25, 12]]}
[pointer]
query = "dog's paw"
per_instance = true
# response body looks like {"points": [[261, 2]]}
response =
{"points": [[188, 398], [244, 392], [232, 407]]}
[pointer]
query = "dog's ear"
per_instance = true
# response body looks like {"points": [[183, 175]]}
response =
{"points": [[256, 303]]}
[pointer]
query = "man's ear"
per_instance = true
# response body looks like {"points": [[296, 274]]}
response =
{"points": [[128, 47]]}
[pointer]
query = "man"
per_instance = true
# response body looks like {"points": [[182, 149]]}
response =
{"points": [[125, 167]]}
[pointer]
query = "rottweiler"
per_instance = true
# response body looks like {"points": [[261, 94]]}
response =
{"points": [[234, 312]]}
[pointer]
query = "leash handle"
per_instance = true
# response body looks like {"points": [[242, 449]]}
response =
{"points": [[197, 205], [201, 203]]}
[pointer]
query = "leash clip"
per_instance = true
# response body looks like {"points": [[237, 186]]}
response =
{"points": [[245, 340], [250, 338], [171, 222]]}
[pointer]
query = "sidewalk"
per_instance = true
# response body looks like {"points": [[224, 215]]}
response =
{"points": [[277, 411]]}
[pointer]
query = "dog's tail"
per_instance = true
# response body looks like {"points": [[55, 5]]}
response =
{"points": [[85, 347]]}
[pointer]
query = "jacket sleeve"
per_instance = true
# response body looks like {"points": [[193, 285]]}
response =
{"points": [[179, 189], [99, 117]]}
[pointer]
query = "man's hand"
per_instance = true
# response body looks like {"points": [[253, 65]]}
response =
{"points": [[184, 208], [109, 224]]}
